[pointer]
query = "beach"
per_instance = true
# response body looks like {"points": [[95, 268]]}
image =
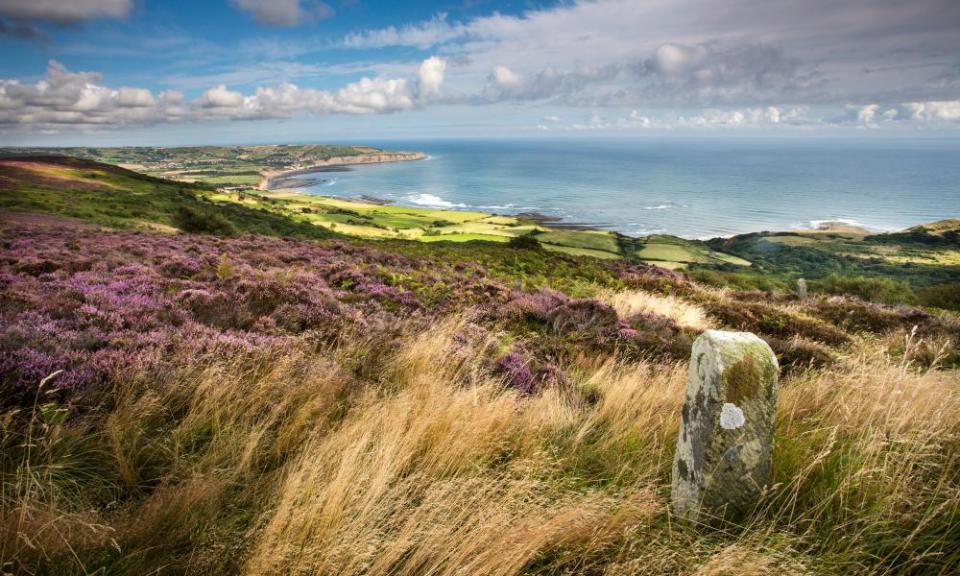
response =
{"points": [[294, 178]]}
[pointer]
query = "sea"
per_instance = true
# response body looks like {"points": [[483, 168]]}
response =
{"points": [[694, 188]]}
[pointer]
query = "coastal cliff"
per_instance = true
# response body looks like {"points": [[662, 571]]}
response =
{"points": [[275, 179]]}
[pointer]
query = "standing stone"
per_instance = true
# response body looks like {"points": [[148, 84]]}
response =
{"points": [[802, 289], [723, 459]]}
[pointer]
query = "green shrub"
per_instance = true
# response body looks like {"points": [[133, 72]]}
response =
{"points": [[946, 296], [884, 290], [197, 220], [525, 242], [739, 280]]}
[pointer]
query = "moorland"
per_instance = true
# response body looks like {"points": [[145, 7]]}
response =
{"points": [[208, 381]]}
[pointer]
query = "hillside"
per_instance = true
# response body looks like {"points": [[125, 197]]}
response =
{"points": [[75, 187], [919, 265], [120, 198], [216, 384], [235, 166]]}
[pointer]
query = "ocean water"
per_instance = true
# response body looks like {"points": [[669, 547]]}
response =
{"points": [[686, 187]]}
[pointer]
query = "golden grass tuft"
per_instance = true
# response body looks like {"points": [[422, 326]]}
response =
{"points": [[630, 302], [436, 478]]}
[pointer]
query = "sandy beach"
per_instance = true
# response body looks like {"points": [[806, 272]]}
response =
{"points": [[274, 180]]}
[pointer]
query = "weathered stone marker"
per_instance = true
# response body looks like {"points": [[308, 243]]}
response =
{"points": [[723, 460]]}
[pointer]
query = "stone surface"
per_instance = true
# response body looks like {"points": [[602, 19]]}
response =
{"points": [[723, 459]]}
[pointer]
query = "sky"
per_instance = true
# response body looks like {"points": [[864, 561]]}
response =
{"points": [[165, 72]]}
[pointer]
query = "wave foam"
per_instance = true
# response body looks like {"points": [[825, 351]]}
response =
{"points": [[432, 201], [817, 224], [664, 206]]}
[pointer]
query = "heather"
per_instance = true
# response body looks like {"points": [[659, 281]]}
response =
{"points": [[201, 404]]}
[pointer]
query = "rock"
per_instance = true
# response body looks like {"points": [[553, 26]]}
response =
{"points": [[802, 289], [723, 460]]}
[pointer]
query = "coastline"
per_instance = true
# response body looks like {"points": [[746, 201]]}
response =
{"points": [[281, 179]]}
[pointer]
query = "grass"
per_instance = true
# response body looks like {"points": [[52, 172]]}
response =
{"points": [[670, 249], [596, 241], [118, 198], [922, 256], [286, 465], [630, 302]]}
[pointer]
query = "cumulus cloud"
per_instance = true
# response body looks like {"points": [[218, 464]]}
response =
{"points": [[430, 77], [715, 118], [717, 72], [76, 98], [671, 53], [285, 12], [936, 111], [220, 97], [373, 95], [746, 117], [929, 113], [64, 11], [707, 74], [550, 83], [135, 98], [63, 99]]}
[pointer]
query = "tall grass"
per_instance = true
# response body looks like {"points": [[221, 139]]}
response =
{"points": [[424, 462], [631, 302]]}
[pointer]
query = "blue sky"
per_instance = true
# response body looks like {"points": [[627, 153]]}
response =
{"points": [[179, 72]]}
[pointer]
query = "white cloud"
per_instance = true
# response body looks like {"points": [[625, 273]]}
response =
{"points": [[505, 78], [64, 11], [135, 98], [930, 113], [425, 35], [430, 77], [866, 114], [692, 53], [285, 12], [706, 119], [64, 98], [671, 60], [74, 98], [935, 111], [746, 118], [638, 120], [220, 97], [373, 95]]}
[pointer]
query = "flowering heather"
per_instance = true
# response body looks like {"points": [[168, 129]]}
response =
{"points": [[105, 305]]}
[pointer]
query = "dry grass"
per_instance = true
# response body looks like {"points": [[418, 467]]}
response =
{"points": [[630, 302], [291, 465], [439, 479]]}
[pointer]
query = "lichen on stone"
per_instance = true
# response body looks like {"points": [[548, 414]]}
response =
{"points": [[743, 380]]}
